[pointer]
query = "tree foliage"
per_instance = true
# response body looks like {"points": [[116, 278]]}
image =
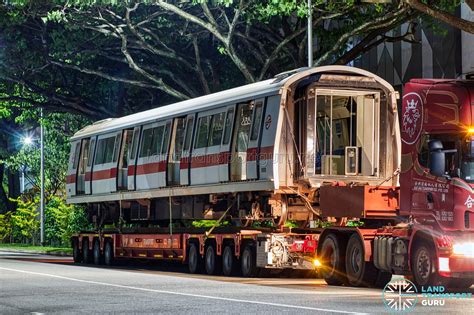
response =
{"points": [[110, 58]]}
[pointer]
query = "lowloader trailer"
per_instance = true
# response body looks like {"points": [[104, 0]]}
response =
{"points": [[368, 192]]}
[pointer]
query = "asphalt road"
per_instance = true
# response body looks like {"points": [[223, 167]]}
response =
{"points": [[34, 284]]}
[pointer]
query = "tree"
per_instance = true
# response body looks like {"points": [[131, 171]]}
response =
{"points": [[117, 57]]}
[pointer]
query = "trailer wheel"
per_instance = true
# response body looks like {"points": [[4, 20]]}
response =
{"points": [[333, 269], [98, 258], [86, 252], [194, 259], [359, 272], [76, 252], [459, 283], [108, 253], [212, 263], [423, 267], [248, 261], [229, 261]]}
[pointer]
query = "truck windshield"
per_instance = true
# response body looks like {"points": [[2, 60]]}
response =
{"points": [[467, 162]]}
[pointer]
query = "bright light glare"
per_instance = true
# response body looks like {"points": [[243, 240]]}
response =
{"points": [[317, 263], [443, 264], [27, 140], [471, 130], [464, 249]]}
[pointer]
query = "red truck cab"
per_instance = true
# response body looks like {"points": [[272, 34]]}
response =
{"points": [[437, 176]]}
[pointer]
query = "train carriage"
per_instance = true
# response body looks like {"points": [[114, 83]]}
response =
{"points": [[266, 148]]}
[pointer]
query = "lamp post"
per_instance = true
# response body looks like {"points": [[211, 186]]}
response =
{"points": [[42, 178], [27, 141], [310, 35]]}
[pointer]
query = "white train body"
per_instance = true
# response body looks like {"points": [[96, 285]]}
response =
{"points": [[285, 136]]}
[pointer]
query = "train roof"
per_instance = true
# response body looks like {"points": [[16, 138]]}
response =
{"points": [[242, 93]]}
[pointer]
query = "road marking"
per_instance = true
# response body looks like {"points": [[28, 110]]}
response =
{"points": [[180, 293]]}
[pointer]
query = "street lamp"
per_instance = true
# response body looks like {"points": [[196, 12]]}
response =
{"points": [[27, 141]]}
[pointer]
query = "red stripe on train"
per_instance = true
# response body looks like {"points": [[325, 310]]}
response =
{"points": [[71, 179], [104, 174]]}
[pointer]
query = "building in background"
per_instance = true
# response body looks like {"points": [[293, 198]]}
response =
{"points": [[448, 54]]}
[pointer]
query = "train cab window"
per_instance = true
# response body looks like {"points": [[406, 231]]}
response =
{"points": [[189, 133], [229, 120], [217, 126], [105, 151], [257, 119], [202, 132], [343, 139]]}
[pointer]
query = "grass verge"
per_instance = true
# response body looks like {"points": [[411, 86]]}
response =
{"points": [[43, 249]]}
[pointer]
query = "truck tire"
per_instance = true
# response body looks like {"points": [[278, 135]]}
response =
{"points": [[229, 261], [96, 254], [359, 272], [212, 263], [76, 252], [108, 253], [423, 267], [248, 262], [86, 252], [332, 255], [194, 259]]}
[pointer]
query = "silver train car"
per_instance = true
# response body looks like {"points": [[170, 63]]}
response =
{"points": [[260, 152]]}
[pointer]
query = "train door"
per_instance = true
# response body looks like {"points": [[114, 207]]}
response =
{"points": [[151, 162], [224, 158], [176, 149], [72, 168], [81, 171], [122, 171], [185, 162], [240, 143], [253, 147], [105, 163], [132, 159], [90, 160]]}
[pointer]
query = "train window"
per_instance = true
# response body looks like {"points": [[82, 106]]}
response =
{"points": [[133, 152], [91, 153], [151, 141], [74, 160], [216, 129], [105, 150], [202, 132], [257, 118], [166, 139], [228, 126], [189, 133], [116, 147]]}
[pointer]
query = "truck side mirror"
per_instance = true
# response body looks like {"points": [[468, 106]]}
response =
{"points": [[437, 158]]}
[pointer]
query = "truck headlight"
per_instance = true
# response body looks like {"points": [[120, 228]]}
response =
{"points": [[464, 249]]}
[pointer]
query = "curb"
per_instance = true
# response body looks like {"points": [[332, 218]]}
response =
{"points": [[38, 252]]}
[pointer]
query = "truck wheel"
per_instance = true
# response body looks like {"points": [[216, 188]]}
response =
{"points": [[96, 253], [333, 269], [248, 262], [456, 283], [194, 259], [108, 253], [359, 272], [423, 267], [76, 252], [86, 252], [212, 263], [229, 262]]}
